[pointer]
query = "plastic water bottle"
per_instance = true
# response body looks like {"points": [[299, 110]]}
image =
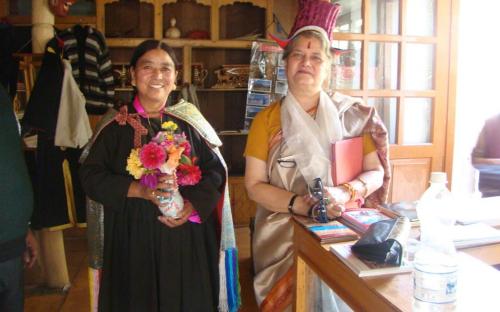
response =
{"points": [[435, 263]]}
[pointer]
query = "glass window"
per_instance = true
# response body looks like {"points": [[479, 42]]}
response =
{"points": [[383, 65], [387, 110], [349, 20], [384, 17], [417, 120], [419, 67], [346, 69], [420, 17]]}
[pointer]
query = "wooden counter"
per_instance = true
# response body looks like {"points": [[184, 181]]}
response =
{"points": [[478, 282]]}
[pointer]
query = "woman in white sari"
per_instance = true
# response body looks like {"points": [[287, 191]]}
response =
{"points": [[289, 145]]}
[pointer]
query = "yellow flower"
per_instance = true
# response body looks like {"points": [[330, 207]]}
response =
{"points": [[169, 126], [134, 165]]}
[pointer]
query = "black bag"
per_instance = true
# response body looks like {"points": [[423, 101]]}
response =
{"points": [[384, 241]]}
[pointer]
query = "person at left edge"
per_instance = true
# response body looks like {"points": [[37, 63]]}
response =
{"points": [[17, 243], [152, 262]]}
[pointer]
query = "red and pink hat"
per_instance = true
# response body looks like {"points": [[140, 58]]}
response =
{"points": [[318, 15]]}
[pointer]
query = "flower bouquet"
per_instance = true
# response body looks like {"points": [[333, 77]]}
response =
{"points": [[167, 153]]}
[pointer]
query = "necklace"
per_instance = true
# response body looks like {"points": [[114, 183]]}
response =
{"points": [[153, 133], [142, 112]]}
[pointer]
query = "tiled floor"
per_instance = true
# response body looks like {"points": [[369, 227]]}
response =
{"points": [[76, 299]]}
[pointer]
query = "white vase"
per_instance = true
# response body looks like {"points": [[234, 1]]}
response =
{"points": [[173, 32], [171, 206]]}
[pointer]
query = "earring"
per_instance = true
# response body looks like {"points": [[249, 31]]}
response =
{"points": [[132, 83]]}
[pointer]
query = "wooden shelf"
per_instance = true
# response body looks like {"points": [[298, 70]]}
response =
{"points": [[130, 89], [181, 43], [60, 22], [126, 89], [222, 90]]}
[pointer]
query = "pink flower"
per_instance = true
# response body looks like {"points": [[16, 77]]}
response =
{"points": [[152, 155], [150, 180], [187, 148], [188, 174]]}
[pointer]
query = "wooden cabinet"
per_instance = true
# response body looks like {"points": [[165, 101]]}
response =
{"points": [[222, 22], [242, 207]]}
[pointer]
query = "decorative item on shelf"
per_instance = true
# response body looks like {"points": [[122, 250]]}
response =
{"points": [[60, 8], [254, 35], [232, 76], [198, 34], [198, 74], [173, 32], [123, 76]]}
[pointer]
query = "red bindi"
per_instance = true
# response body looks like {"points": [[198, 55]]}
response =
{"points": [[309, 45]]}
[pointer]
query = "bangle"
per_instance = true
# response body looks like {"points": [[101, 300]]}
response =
{"points": [[363, 182], [350, 189], [290, 203]]}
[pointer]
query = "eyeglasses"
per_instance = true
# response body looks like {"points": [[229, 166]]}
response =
{"points": [[318, 211], [284, 162], [287, 163]]}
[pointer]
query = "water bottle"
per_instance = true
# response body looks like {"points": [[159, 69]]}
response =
{"points": [[435, 262]]}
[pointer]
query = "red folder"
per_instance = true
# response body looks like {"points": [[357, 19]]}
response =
{"points": [[347, 160]]}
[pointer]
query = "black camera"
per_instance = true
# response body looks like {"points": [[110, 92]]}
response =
{"points": [[318, 211]]}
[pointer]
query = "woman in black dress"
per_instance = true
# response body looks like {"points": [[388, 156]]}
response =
{"points": [[152, 262]]}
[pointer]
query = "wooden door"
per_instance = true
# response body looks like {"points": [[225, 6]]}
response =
{"points": [[396, 57]]}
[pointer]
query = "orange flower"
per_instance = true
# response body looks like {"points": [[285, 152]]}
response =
{"points": [[174, 156]]}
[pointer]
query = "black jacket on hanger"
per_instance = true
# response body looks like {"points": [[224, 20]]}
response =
{"points": [[52, 208]]}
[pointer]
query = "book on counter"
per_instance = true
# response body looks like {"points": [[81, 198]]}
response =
{"points": [[360, 219], [402, 209], [364, 268], [328, 233], [476, 234], [473, 210]]}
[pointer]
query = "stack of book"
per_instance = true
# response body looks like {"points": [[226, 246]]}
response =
{"points": [[402, 209], [476, 234], [360, 219], [328, 233], [473, 210], [349, 226]]}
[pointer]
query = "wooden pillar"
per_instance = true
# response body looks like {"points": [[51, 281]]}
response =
{"points": [[52, 254], [43, 24]]}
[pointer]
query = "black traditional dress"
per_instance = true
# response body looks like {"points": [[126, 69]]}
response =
{"points": [[147, 265]]}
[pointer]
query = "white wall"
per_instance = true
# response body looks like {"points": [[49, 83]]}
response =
{"points": [[478, 82]]}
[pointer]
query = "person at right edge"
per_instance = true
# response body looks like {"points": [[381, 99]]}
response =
{"points": [[289, 145], [486, 157], [18, 245]]}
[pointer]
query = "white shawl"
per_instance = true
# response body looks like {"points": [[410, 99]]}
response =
{"points": [[310, 139]]}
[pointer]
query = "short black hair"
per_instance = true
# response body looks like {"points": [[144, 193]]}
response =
{"points": [[148, 45]]}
